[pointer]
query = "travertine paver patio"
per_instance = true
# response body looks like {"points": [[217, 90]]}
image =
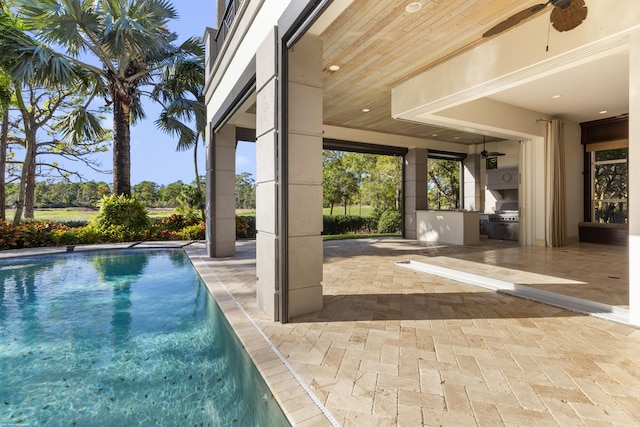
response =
{"points": [[398, 347]]}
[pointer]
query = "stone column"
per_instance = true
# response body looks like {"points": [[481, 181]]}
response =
{"points": [[304, 158], [634, 179], [221, 200], [296, 185], [472, 191], [266, 175], [415, 187]]}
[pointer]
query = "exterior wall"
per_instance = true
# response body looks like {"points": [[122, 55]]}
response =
{"points": [[256, 20]]}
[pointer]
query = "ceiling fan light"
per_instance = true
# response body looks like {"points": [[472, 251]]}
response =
{"points": [[413, 7]]}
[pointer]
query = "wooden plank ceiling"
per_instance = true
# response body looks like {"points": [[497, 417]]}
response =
{"points": [[378, 44]]}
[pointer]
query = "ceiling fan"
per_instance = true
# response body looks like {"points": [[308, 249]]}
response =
{"points": [[489, 154], [566, 15]]}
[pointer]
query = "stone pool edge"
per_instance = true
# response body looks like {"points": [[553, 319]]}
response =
{"points": [[297, 401]]}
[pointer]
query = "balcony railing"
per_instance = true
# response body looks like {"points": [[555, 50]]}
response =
{"points": [[225, 26]]}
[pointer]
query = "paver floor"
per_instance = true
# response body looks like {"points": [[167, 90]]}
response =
{"points": [[399, 347]]}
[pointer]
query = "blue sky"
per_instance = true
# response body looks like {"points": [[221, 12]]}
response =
{"points": [[153, 155]]}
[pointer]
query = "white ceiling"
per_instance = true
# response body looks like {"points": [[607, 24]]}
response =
{"points": [[585, 90]]}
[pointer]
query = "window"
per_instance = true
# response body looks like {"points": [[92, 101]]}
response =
{"points": [[609, 185], [443, 184], [492, 163]]}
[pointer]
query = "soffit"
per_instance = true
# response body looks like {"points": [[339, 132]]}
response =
{"points": [[379, 45]]}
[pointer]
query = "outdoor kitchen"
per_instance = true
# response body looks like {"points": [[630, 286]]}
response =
{"points": [[491, 201], [502, 215]]}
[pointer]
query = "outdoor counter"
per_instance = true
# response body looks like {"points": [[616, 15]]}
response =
{"points": [[453, 227]]}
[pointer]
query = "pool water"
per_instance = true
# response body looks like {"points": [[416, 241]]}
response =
{"points": [[121, 338]]}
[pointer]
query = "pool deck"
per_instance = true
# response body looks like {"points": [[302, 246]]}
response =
{"points": [[399, 347]]}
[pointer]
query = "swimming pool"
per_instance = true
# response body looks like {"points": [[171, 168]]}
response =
{"points": [[124, 337]]}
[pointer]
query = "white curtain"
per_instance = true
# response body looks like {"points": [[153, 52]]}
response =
{"points": [[556, 207]]}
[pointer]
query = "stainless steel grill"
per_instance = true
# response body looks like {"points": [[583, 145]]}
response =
{"points": [[504, 225]]}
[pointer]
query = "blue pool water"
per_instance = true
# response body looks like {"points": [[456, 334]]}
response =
{"points": [[121, 338]]}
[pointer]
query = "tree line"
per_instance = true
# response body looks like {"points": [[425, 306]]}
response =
{"points": [[376, 180], [87, 194]]}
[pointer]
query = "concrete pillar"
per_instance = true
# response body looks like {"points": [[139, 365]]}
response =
{"points": [[415, 187], [266, 175], [634, 179], [472, 191], [304, 159], [221, 200], [300, 236]]}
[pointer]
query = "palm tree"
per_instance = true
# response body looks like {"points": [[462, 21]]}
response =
{"points": [[119, 47], [181, 95], [51, 71]]}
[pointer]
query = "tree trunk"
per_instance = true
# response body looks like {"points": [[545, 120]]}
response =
{"points": [[30, 184], [4, 132], [29, 158], [121, 147]]}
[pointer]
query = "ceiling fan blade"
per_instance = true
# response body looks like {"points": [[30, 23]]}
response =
{"points": [[570, 17], [513, 20], [562, 4], [495, 154]]}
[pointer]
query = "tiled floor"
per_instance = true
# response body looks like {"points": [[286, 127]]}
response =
{"points": [[399, 347]]}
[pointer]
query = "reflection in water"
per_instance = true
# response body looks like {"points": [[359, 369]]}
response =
{"points": [[120, 272], [18, 287]]}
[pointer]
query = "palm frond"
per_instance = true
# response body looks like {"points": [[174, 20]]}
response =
{"points": [[80, 125], [170, 125]]}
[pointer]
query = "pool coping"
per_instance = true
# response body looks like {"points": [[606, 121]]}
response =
{"points": [[299, 404]]}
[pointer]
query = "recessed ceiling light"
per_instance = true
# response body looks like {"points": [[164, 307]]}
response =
{"points": [[603, 112], [556, 96], [334, 67], [434, 134], [366, 110], [413, 7]]}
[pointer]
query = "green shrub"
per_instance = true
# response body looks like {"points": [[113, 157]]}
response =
{"points": [[121, 217], [390, 221], [245, 227], [344, 224], [29, 235], [8, 235], [193, 232]]}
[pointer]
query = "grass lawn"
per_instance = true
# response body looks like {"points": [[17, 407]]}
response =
{"points": [[85, 214], [337, 211], [79, 214], [351, 210]]}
